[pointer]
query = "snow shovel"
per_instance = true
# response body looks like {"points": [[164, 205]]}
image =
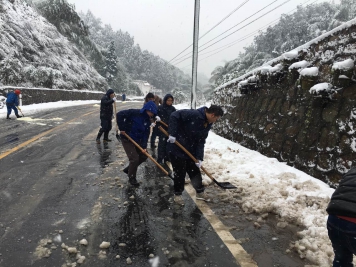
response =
{"points": [[20, 111], [224, 185], [117, 127], [148, 155]]}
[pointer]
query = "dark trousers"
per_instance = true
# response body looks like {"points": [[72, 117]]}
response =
{"points": [[342, 234], [105, 128], [10, 107], [182, 166], [136, 157], [162, 149]]}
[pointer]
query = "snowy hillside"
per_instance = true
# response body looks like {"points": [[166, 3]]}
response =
{"points": [[34, 53]]}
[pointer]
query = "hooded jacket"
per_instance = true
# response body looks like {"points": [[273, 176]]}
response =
{"points": [[136, 123], [164, 111], [343, 200], [12, 99], [190, 127], [106, 109]]}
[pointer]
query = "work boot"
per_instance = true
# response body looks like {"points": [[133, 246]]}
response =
{"points": [[8, 117], [107, 140], [202, 196], [18, 116], [178, 199], [126, 170], [133, 182]]}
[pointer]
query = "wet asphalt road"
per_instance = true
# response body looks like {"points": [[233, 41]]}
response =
{"points": [[63, 187]]}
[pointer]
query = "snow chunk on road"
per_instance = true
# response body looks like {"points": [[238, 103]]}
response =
{"points": [[104, 244]]}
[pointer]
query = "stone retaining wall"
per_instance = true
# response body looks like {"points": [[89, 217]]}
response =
{"points": [[43, 95], [275, 113]]}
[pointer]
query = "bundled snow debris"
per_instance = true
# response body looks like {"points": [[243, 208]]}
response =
{"points": [[299, 65], [276, 68], [347, 64], [313, 71]]}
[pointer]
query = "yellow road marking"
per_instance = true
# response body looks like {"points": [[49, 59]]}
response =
{"points": [[3, 155], [241, 256]]}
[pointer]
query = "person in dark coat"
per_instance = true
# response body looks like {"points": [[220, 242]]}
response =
{"points": [[190, 128], [123, 97], [12, 102], [341, 222], [164, 112], [136, 124], [106, 115]]}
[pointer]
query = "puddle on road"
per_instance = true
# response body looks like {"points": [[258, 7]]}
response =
{"points": [[105, 153], [11, 138]]}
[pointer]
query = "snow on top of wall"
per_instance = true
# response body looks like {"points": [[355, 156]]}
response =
{"points": [[320, 87], [290, 55], [313, 71], [344, 65], [316, 40], [299, 65]]}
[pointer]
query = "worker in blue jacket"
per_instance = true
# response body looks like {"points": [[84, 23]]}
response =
{"points": [[136, 124], [12, 102], [190, 128]]}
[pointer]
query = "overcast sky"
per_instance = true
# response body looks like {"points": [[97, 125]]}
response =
{"points": [[165, 27]]}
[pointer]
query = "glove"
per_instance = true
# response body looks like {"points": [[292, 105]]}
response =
{"points": [[158, 118], [171, 139], [198, 164], [114, 98], [153, 125]]}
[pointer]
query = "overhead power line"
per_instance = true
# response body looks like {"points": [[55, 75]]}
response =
{"points": [[213, 28], [245, 37], [230, 28], [236, 30]]}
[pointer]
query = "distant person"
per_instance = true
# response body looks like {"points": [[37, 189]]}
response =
{"points": [[12, 102], [106, 115], [164, 112], [136, 124], [123, 97], [190, 127], [342, 220]]}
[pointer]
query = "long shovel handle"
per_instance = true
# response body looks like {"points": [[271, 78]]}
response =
{"points": [[117, 128], [145, 152], [224, 185], [163, 123]]}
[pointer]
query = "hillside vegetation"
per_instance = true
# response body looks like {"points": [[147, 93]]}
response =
{"points": [[33, 53], [290, 32]]}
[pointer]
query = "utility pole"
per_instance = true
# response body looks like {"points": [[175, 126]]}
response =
{"points": [[195, 54]]}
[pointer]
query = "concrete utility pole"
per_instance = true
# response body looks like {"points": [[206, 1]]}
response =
{"points": [[195, 54]]}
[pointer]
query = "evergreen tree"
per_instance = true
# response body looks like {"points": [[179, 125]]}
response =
{"points": [[111, 63]]}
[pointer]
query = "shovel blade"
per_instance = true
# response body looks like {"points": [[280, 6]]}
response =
{"points": [[225, 185]]}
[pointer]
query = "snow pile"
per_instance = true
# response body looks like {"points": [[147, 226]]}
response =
{"points": [[266, 185], [313, 71], [347, 64], [299, 65]]}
